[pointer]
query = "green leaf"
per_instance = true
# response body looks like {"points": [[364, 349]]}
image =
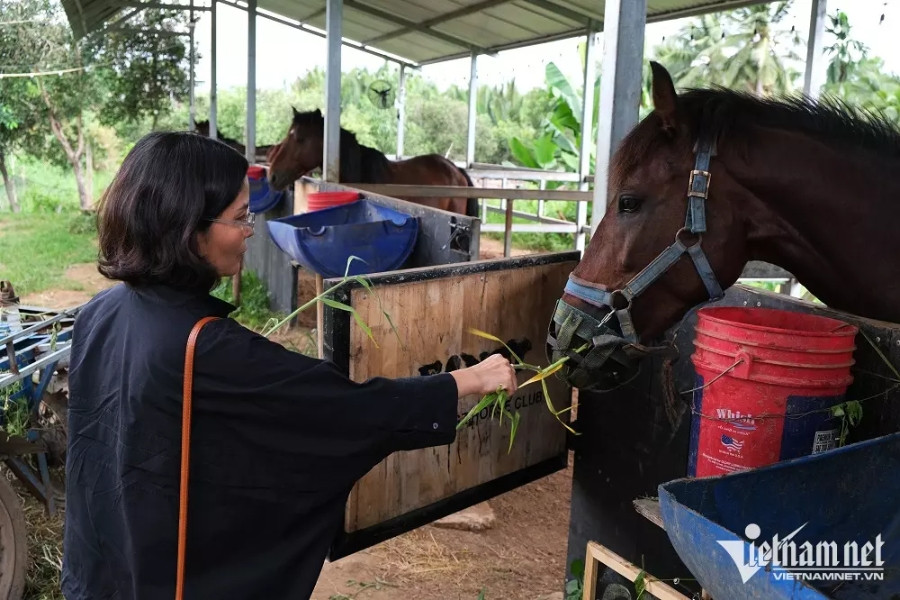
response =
{"points": [[513, 430], [522, 153], [494, 338], [546, 372], [545, 149], [640, 585], [564, 119], [482, 404], [364, 327], [337, 305], [561, 87], [577, 568]]}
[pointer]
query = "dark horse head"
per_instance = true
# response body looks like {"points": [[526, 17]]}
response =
{"points": [[709, 180], [301, 150]]}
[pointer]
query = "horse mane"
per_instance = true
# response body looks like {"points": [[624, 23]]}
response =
{"points": [[723, 112]]}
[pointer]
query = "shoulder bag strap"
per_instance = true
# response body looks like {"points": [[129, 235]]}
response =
{"points": [[186, 451]]}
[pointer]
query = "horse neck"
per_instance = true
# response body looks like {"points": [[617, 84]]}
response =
{"points": [[825, 213], [374, 164]]}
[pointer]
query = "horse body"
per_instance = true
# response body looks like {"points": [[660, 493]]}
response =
{"points": [[810, 187], [301, 152]]}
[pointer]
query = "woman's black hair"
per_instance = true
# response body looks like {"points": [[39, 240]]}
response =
{"points": [[167, 188]]}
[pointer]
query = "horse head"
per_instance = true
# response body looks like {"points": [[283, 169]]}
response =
{"points": [[299, 152], [667, 242]]}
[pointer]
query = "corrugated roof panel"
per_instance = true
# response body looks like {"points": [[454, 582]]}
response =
{"points": [[594, 9], [298, 10], [526, 9], [485, 30], [491, 24], [412, 11], [419, 47]]}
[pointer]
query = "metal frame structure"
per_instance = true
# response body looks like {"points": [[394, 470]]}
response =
{"points": [[623, 23]]}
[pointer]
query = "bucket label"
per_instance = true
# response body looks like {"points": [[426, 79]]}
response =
{"points": [[734, 432], [825, 440]]}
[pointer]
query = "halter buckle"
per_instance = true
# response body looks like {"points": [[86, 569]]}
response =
{"points": [[704, 191]]}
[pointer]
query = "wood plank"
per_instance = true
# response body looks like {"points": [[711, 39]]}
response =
{"points": [[630, 571], [649, 509], [513, 304], [443, 191]]}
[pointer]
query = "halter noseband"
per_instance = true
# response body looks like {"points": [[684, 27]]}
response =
{"points": [[622, 347]]}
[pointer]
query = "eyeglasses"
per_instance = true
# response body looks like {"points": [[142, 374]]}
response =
{"points": [[247, 221]]}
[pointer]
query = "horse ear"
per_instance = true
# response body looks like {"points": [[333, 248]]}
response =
{"points": [[665, 100], [318, 113], [296, 114]]}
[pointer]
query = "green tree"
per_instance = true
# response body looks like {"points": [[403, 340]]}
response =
{"points": [[747, 49], [19, 104], [144, 66], [846, 53]]}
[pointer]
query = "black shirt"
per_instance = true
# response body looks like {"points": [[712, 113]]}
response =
{"points": [[278, 440]]}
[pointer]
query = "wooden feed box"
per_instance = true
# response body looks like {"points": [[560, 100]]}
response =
{"points": [[432, 308]]}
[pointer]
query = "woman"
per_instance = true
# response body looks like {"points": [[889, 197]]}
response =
{"points": [[278, 439]]}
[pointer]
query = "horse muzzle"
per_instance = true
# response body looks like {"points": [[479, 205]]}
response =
{"points": [[599, 357]]}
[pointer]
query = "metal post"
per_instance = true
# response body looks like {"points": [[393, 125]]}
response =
{"points": [[213, 90], [587, 123], [251, 81], [191, 100], [473, 102], [401, 112], [814, 77], [331, 160], [620, 87]]}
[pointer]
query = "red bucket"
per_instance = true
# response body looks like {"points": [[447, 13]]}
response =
{"points": [[320, 200], [766, 380]]}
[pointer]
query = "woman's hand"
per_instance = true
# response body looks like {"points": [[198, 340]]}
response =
{"points": [[485, 377]]}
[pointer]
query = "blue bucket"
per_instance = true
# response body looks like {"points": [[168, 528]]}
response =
{"points": [[262, 197], [324, 240]]}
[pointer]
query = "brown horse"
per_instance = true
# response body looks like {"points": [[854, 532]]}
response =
{"points": [[301, 152], [725, 178]]}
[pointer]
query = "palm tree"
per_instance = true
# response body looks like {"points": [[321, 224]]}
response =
{"points": [[762, 50], [745, 49]]}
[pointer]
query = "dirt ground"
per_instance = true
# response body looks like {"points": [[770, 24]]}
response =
{"points": [[82, 281], [520, 557]]}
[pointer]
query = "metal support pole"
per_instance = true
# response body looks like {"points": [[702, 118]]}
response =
{"points": [[192, 117], [620, 88], [587, 124], [331, 170], [251, 81], [331, 159], [401, 112], [814, 77], [473, 103], [213, 90]]}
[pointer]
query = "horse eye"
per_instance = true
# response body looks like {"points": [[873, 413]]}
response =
{"points": [[629, 204]]}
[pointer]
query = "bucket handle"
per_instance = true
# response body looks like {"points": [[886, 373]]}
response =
{"points": [[734, 366], [743, 364]]}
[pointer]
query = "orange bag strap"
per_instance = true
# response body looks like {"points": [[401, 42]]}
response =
{"points": [[186, 451]]}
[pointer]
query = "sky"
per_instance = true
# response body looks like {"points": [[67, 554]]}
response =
{"points": [[525, 65]]}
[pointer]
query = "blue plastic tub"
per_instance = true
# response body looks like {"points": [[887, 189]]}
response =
{"points": [[262, 197], [323, 240], [843, 496]]}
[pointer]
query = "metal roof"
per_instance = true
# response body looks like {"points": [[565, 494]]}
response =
{"points": [[429, 31]]}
